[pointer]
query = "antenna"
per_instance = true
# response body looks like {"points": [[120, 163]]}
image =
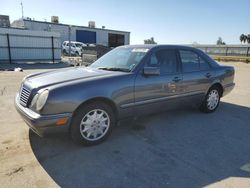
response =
{"points": [[22, 8]]}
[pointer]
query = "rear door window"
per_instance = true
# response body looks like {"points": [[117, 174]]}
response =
{"points": [[203, 64], [190, 61]]}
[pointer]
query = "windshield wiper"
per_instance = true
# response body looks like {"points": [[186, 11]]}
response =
{"points": [[114, 69]]}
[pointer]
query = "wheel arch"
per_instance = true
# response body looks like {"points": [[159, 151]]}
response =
{"points": [[99, 99], [219, 86]]}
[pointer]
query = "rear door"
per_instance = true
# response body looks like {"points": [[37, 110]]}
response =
{"points": [[153, 92], [197, 73]]}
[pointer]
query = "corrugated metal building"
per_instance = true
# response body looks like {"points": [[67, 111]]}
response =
{"points": [[89, 35]]}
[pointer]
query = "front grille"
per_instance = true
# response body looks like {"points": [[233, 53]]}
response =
{"points": [[24, 96]]}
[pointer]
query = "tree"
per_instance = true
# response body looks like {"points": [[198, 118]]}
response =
{"points": [[150, 41], [220, 41], [242, 38], [245, 38], [248, 38]]}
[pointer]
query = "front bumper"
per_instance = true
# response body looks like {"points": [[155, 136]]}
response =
{"points": [[39, 123]]}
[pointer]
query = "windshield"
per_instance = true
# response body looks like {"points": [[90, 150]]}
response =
{"points": [[120, 59]]}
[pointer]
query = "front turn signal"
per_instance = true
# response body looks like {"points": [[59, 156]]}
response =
{"points": [[61, 121]]}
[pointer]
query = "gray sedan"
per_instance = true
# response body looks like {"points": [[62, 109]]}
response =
{"points": [[129, 81]]}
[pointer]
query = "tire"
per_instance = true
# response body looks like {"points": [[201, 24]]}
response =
{"points": [[211, 101], [64, 52], [92, 123]]}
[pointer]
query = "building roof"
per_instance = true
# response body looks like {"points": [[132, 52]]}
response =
{"points": [[85, 27]]}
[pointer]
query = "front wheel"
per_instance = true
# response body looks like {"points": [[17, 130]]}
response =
{"points": [[92, 123], [211, 101]]}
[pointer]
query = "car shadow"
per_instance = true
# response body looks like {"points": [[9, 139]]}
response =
{"points": [[178, 148]]}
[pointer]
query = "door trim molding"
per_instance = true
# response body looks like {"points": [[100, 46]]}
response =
{"points": [[161, 99]]}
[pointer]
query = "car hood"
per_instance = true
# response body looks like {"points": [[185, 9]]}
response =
{"points": [[65, 75]]}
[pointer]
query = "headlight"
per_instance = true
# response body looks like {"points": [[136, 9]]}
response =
{"points": [[33, 102], [41, 99]]}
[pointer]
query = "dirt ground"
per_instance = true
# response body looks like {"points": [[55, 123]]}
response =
{"points": [[179, 148]]}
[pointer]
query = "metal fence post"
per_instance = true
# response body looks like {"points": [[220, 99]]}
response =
{"points": [[8, 41], [53, 53], [226, 50], [70, 27]]}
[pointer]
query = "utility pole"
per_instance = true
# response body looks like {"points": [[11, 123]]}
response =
{"points": [[22, 9]]}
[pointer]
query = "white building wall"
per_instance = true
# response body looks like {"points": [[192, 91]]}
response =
{"points": [[101, 34], [45, 26]]}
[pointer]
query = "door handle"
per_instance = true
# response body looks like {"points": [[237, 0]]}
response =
{"points": [[208, 75], [177, 79]]}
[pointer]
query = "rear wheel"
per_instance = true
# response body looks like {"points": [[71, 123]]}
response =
{"points": [[92, 123], [211, 101]]}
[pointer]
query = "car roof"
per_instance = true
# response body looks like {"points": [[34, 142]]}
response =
{"points": [[73, 42], [151, 46]]}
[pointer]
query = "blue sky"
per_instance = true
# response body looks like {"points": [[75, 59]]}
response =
{"points": [[168, 21]]}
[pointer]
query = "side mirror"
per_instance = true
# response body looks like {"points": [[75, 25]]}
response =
{"points": [[151, 71]]}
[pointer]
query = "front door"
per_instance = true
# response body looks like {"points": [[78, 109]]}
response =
{"points": [[152, 93]]}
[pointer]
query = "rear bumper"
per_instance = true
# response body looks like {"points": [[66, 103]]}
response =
{"points": [[228, 88], [39, 123]]}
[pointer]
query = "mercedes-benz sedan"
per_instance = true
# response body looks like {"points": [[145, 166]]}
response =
{"points": [[129, 81]]}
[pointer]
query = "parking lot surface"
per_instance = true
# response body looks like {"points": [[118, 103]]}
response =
{"points": [[178, 148]]}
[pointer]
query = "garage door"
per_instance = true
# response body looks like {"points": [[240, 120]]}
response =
{"points": [[86, 36], [116, 40]]}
